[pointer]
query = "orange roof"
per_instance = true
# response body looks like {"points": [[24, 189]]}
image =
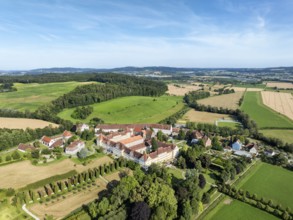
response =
{"points": [[67, 133], [46, 139], [132, 139]]}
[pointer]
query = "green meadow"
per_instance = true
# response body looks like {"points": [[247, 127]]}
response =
{"points": [[232, 125], [132, 109], [33, 95], [262, 115], [236, 210], [270, 182], [284, 135]]}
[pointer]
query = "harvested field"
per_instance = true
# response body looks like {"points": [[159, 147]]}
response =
{"points": [[59, 209], [280, 102], [180, 91], [23, 123], [204, 117], [229, 101], [280, 85], [10, 174], [242, 89]]}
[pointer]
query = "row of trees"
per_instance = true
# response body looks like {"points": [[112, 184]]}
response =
{"points": [[260, 203], [171, 120], [63, 186]]}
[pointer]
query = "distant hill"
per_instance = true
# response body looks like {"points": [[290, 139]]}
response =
{"points": [[145, 70]]}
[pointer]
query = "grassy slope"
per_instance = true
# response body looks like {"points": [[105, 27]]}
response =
{"points": [[238, 210], [285, 135], [31, 96], [132, 109], [261, 114], [270, 182]]}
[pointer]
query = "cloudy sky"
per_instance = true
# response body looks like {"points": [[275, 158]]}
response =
{"points": [[116, 33]]}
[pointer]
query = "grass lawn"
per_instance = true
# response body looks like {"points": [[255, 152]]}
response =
{"points": [[232, 125], [176, 173], [132, 109], [270, 182], [262, 115], [285, 135], [237, 210], [33, 95], [11, 212]]}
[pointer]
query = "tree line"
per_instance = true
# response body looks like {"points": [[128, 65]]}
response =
{"points": [[260, 203], [249, 125]]}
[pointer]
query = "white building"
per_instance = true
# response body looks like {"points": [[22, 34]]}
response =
{"points": [[74, 147], [135, 148]]}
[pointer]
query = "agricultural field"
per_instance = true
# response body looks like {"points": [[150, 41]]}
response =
{"points": [[10, 174], [181, 89], [132, 109], [234, 209], [33, 95], [262, 115], [284, 135], [270, 182], [230, 101], [203, 117], [280, 85], [23, 123], [280, 102], [242, 89]]}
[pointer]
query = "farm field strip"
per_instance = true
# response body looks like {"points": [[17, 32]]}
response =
{"points": [[204, 117], [281, 85], [280, 102], [285, 135], [270, 182], [234, 209], [229, 101], [33, 95], [182, 90], [23, 123], [264, 116], [20, 174], [132, 109]]}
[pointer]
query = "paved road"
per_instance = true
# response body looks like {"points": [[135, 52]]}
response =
{"points": [[29, 213]]}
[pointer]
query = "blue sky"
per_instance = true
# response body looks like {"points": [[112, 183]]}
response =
{"points": [[112, 33]]}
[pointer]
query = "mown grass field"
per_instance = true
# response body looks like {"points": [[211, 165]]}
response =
{"points": [[132, 109], [284, 135], [270, 182], [237, 210], [232, 125], [31, 96], [262, 115]]}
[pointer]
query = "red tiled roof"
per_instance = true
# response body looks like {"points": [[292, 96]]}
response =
{"points": [[131, 139], [46, 139], [57, 143], [25, 147], [67, 133]]}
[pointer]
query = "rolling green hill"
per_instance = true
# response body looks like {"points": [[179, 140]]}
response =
{"points": [[33, 95], [132, 109]]}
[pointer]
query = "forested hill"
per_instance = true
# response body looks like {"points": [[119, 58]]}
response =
{"points": [[114, 85]]}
